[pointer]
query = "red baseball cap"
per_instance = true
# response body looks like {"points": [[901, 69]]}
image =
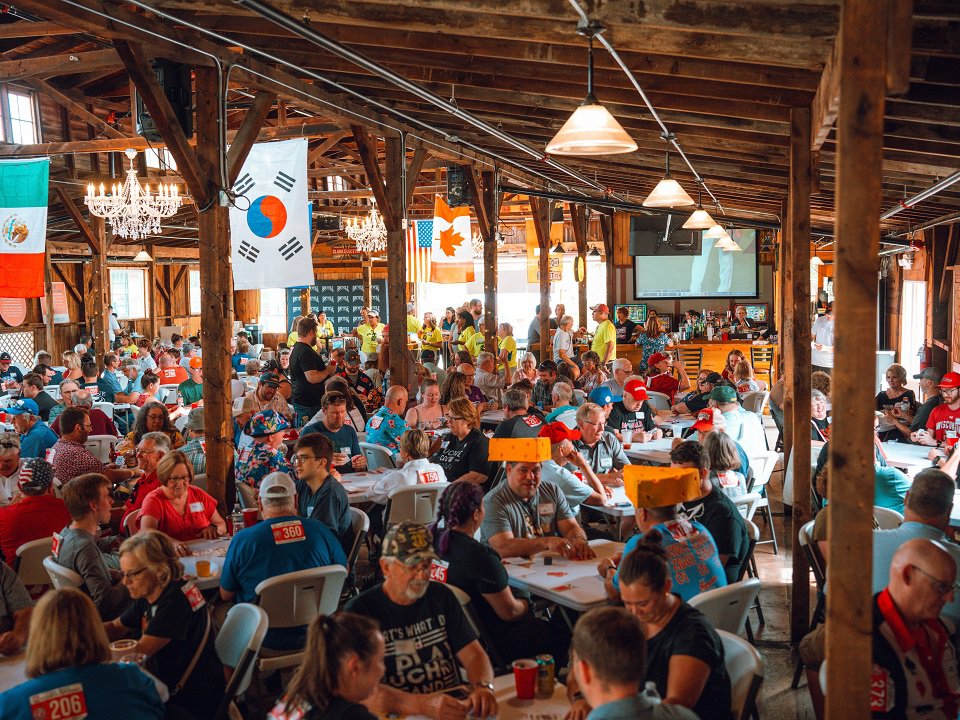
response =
{"points": [[950, 380], [558, 432], [602, 307], [657, 357], [706, 419], [636, 388]]}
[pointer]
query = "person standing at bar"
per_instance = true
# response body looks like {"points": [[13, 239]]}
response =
{"points": [[605, 336], [822, 333]]}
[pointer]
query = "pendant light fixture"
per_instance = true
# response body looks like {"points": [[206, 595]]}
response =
{"points": [[594, 252], [558, 249], [720, 237], [591, 130], [668, 193], [701, 219], [142, 256]]}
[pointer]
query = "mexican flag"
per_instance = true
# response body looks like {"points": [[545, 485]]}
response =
{"points": [[23, 226]]}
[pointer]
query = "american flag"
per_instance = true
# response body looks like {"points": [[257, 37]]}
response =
{"points": [[419, 248]]}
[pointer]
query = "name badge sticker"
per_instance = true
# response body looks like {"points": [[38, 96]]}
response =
{"points": [[425, 477], [547, 508], [55, 545], [288, 532], [375, 422], [196, 507], [606, 463], [193, 595], [438, 570], [65, 703]]}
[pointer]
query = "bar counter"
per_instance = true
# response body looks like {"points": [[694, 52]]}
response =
{"points": [[714, 354]]}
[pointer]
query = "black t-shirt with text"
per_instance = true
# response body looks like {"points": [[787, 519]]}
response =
{"points": [[422, 639], [622, 419], [458, 457], [625, 330], [304, 358]]}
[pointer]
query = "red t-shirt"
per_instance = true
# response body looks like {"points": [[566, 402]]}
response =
{"points": [[148, 483], [32, 518], [199, 509], [664, 383], [941, 419], [172, 375]]}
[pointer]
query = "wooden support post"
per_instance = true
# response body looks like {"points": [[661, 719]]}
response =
{"points": [[396, 258], [48, 300], [367, 270], [100, 289], [797, 368], [486, 205], [578, 218], [304, 304], [154, 293], [216, 283], [606, 231], [862, 69], [542, 219]]}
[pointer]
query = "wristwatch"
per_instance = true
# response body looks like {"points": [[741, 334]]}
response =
{"points": [[483, 684]]}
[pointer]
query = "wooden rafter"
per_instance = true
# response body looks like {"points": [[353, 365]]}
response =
{"points": [[62, 99], [367, 149], [74, 212], [413, 172], [247, 134]]}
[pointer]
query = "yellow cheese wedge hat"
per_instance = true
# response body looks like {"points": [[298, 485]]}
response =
{"points": [[649, 487], [519, 449]]}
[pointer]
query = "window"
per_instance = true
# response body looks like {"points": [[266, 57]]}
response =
{"points": [[128, 293], [23, 117], [158, 158], [194, 292], [336, 182], [273, 310]]}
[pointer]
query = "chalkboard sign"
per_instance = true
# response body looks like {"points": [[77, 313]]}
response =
{"points": [[341, 300]]}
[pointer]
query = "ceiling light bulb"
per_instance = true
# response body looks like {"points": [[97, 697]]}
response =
{"points": [[591, 130], [700, 220], [142, 256]]}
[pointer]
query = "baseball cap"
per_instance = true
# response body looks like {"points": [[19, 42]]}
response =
{"points": [[723, 393], [409, 542], [557, 432], [352, 356], [9, 443], [195, 419], [241, 405], [35, 477], [637, 389], [277, 485], [950, 380], [373, 311], [196, 363], [602, 307], [547, 366], [928, 373], [267, 422], [657, 357], [5, 357], [270, 378], [603, 396], [23, 405], [713, 378], [708, 419]]}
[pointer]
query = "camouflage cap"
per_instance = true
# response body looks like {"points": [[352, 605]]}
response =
{"points": [[408, 542]]}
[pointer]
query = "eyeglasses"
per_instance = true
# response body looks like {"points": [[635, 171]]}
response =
{"points": [[941, 587], [130, 574], [300, 459], [184, 479], [141, 453], [456, 417]]}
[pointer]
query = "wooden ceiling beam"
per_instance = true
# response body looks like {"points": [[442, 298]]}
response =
{"points": [[75, 108], [55, 65], [367, 148], [74, 212], [27, 29], [247, 134], [323, 147], [826, 102]]}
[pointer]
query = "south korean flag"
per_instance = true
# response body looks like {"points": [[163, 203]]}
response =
{"points": [[270, 218]]}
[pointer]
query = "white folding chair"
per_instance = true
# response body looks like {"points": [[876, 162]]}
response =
{"points": [[60, 576], [417, 503], [247, 496], [105, 407], [658, 400], [167, 394], [29, 562], [131, 520], [377, 456], [755, 401], [238, 643], [726, 607], [99, 446], [747, 504], [887, 519], [360, 526], [181, 422], [745, 669], [762, 466], [53, 391]]}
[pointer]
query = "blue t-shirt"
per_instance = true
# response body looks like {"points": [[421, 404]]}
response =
{"points": [[692, 557], [385, 428], [107, 690], [890, 487], [37, 440], [260, 552], [346, 436], [109, 386], [236, 361]]}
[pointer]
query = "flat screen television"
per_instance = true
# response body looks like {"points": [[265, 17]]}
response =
{"points": [[755, 311], [671, 263], [637, 312]]}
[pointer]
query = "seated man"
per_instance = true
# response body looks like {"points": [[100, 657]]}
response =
{"points": [[319, 495], [386, 425], [151, 449], [428, 358], [490, 382], [360, 382], [694, 562], [600, 447], [564, 409], [611, 651], [107, 383], [79, 547], [517, 421], [67, 390], [37, 514], [427, 634], [101, 424], [707, 421], [266, 396], [633, 413], [69, 455], [661, 377], [10, 464], [16, 607], [524, 516], [195, 447], [32, 389], [742, 425], [191, 389], [714, 510], [10, 376], [282, 543], [622, 369], [170, 372], [346, 444], [264, 456], [542, 392], [699, 397], [36, 437], [577, 491]]}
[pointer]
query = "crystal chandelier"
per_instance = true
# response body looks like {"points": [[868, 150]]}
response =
{"points": [[370, 234], [133, 212]]}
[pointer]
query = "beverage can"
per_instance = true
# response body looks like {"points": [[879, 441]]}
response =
{"points": [[545, 675]]}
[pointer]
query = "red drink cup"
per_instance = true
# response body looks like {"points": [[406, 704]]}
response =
{"points": [[525, 678], [3, 417], [250, 517]]}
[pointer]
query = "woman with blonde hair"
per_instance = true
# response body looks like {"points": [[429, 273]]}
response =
{"points": [[724, 464], [68, 663], [178, 507], [455, 386], [72, 362], [527, 369], [463, 453], [743, 378], [653, 339], [431, 337], [342, 665], [176, 632]]}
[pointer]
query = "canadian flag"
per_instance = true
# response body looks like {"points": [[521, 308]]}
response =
{"points": [[452, 249]]}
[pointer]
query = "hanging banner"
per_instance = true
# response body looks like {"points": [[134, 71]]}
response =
{"points": [[13, 311], [270, 219], [533, 253], [61, 311], [452, 250], [23, 226]]}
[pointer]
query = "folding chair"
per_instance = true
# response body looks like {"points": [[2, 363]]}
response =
{"points": [[377, 456], [105, 407], [486, 639], [200, 480], [817, 565], [247, 496], [238, 643], [745, 669], [60, 576], [887, 519], [99, 446], [417, 503], [658, 400], [762, 466], [727, 607], [29, 562]]}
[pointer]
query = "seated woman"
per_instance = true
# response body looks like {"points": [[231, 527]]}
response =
{"points": [[68, 657], [724, 464], [463, 453], [478, 571], [149, 387], [153, 418], [428, 414], [743, 378], [527, 369], [342, 665], [179, 508], [171, 620], [896, 402], [819, 422], [416, 468], [592, 375]]}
